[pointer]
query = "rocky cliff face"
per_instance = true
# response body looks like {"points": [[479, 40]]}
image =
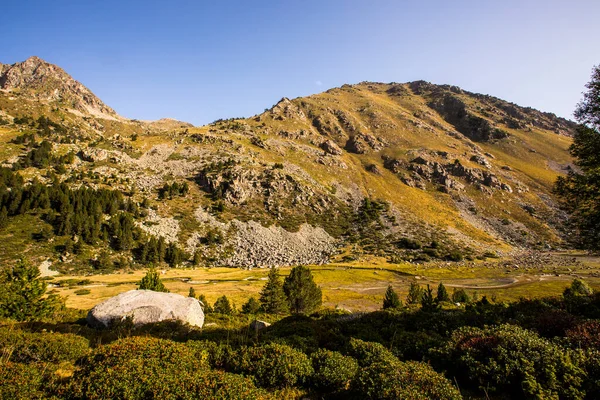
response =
{"points": [[405, 171]]}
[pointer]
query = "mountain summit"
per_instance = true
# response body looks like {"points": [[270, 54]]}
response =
{"points": [[41, 80]]}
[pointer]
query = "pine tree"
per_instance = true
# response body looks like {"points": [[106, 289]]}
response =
{"points": [[22, 294], [252, 306], [442, 294], [207, 307], [304, 296], [391, 299], [152, 282], [415, 293], [272, 297], [428, 302], [580, 190], [222, 306], [460, 296], [192, 292]]}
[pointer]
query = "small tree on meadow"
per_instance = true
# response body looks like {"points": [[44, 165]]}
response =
{"points": [[391, 299], [442, 294], [428, 302], [22, 294], [207, 307], [460, 296], [304, 296], [272, 297], [578, 288], [252, 306], [151, 281], [415, 293], [192, 292], [223, 306]]}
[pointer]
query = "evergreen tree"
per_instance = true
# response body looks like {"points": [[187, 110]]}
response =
{"points": [[442, 294], [272, 297], [252, 306], [428, 302], [207, 307], [460, 296], [22, 294], [415, 293], [578, 288], [152, 282], [580, 190], [304, 296], [192, 292], [391, 299], [197, 259], [222, 306]]}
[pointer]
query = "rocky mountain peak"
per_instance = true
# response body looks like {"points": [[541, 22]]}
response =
{"points": [[47, 82]]}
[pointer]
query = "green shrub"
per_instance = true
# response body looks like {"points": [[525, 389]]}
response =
{"points": [[24, 381], [333, 371], [149, 368], [81, 292], [369, 352], [511, 360], [26, 347], [273, 365], [397, 380]]}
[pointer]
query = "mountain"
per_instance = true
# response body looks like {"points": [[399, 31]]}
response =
{"points": [[406, 171]]}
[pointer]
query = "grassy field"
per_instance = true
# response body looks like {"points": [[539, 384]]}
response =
{"points": [[357, 286]]}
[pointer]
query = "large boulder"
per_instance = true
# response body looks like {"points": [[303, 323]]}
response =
{"points": [[145, 307]]}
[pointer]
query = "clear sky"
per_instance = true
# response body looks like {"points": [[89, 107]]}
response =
{"points": [[202, 60]]}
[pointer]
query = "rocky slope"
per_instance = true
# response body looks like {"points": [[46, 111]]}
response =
{"points": [[408, 171]]}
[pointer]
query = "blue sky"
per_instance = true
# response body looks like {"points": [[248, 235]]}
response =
{"points": [[198, 61]]}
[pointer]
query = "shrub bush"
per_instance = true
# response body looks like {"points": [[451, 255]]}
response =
{"points": [[27, 347], [333, 370], [149, 368], [368, 353], [511, 360], [397, 380], [25, 381], [273, 365]]}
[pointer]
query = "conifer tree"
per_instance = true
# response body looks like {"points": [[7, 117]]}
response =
{"points": [[415, 293], [22, 294], [252, 306], [428, 302], [304, 296], [391, 299], [152, 282], [207, 307], [192, 292], [223, 306], [442, 294], [272, 297]]}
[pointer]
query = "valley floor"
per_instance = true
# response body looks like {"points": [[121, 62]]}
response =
{"points": [[360, 285]]}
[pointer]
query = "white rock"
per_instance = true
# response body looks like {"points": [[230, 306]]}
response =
{"points": [[145, 307]]}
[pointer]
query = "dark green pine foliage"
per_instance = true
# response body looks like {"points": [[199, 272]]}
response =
{"points": [[272, 296], [442, 294], [22, 294], [580, 190], [428, 302], [174, 255], [252, 306], [304, 296], [223, 306], [192, 293], [152, 282], [391, 299], [415, 293], [207, 307]]}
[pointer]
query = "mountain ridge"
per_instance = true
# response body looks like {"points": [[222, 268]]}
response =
{"points": [[411, 171]]}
